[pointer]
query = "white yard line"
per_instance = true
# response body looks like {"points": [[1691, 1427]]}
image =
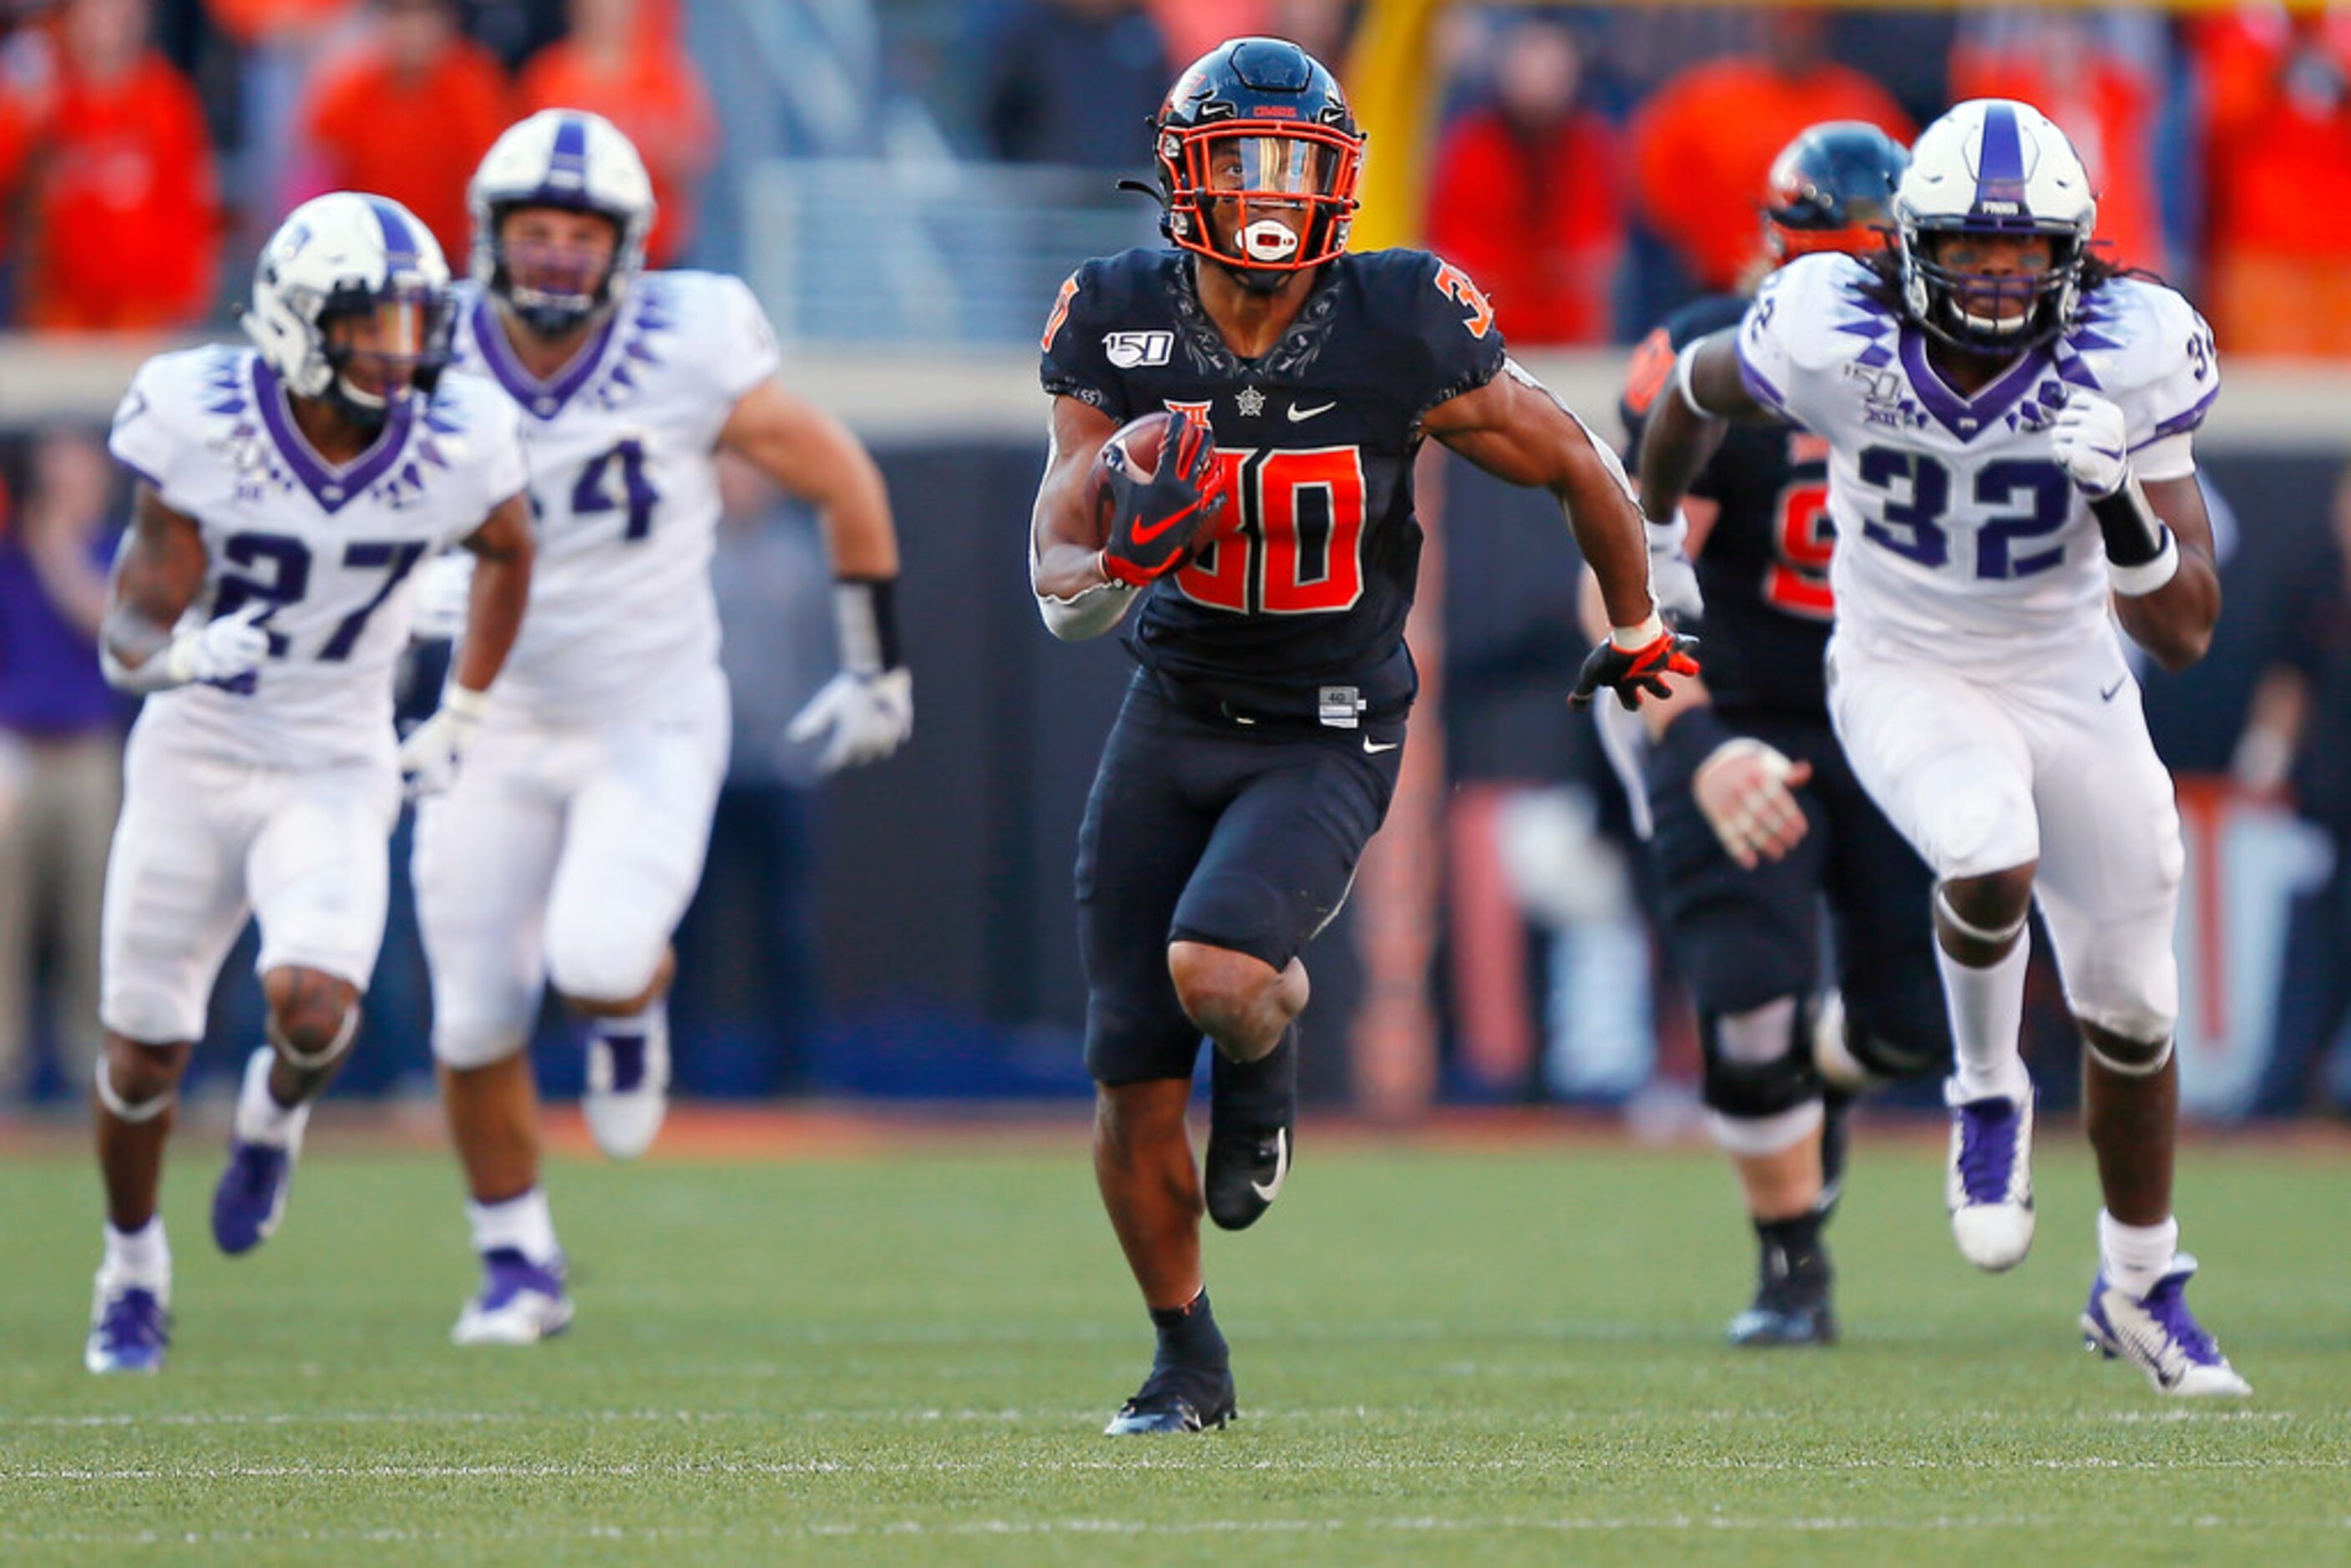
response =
{"points": [[1669, 1524]]}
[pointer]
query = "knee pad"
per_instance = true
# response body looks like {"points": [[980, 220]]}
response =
{"points": [[2130, 1056], [312, 1060], [591, 960], [1757, 1062], [463, 1048], [122, 1110]]}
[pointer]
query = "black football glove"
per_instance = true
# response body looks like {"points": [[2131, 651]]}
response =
{"points": [[1154, 521], [1631, 672]]}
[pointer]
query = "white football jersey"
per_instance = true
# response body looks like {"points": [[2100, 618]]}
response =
{"points": [[625, 484], [333, 547], [1959, 536]]}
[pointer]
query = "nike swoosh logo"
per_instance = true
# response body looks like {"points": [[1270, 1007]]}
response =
{"points": [[1144, 536], [1298, 414], [1270, 1190], [2108, 695], [1377, 747]]}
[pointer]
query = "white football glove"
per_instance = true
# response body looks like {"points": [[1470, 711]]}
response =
{"points": [[2092, 444], [222, 649], [1747, 790], [444, 597], [1673, 580], [862, 716], [430, 756]]}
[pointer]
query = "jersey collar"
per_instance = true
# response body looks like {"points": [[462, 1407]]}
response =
{"points": [[332, 485], [1968, 417], [541, 399]]}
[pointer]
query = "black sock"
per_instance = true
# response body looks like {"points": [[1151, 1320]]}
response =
{"points": [[1263, 1089], [1188, 1335], [1792, 1246]]}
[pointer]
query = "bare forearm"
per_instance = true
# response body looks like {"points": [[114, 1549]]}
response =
{"points": [[501, 591], [853, 508], [2175, 622], [1675, 445], [1608, 531]]}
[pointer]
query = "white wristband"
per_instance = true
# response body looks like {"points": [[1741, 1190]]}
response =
{"points": [[465, 702], [1633, 639], [1668, 537], [2137, 581]]}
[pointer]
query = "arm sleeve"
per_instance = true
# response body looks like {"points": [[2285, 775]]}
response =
{"points": [[1458, 343], [743, 351], [143, 439], [2163, 410], [1766, 358], [1073, 363]]}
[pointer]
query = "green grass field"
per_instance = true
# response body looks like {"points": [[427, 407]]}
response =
{"points": [[1443, 1357]]}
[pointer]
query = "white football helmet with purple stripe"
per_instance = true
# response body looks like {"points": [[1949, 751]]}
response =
{"points": [[349, 253], [1993, 167], [582, 163]]}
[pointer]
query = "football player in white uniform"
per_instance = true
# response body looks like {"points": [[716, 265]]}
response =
{"points": [[568, 849], [2010, 423], [286, 494]]}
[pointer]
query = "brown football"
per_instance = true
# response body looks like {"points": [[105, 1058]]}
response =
{"points": [[1141, 440]]}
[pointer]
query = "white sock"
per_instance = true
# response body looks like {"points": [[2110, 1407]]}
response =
{"points": [[1987, 1012], [653, 1024], [260, 1119], [524, 1224], [2136, 1255], [140, 1257]]}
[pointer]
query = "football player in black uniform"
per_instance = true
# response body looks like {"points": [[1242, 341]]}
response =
{"points": [[1268, 567], [1758, 818]]}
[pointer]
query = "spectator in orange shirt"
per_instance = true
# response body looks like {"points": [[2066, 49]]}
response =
{"points": [[2063, 65], [623, 61], [2277, 176], [1703, 146], [114, 179], [1524, 196], [408, 115]]}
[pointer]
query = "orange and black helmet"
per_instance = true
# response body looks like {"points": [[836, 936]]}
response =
{"points": [[1833, 189], [1260, 124]]}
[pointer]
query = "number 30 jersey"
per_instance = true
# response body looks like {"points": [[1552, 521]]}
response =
{"points": [[1311, 576], [624, 489], [1959, 536], [330, 548]]}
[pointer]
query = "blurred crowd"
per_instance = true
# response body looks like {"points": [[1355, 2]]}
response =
{"points": [[1595, 165], [146, 146]]}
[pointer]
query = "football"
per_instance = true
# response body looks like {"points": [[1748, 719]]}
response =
{"points": [[1140, 440]]}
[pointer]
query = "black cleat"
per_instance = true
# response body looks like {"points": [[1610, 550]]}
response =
{"points": [[1792, 1302], [1252, 1131], [1177, 1399]]}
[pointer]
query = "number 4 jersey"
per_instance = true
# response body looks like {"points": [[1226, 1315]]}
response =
{"points": [[330, 547], [625, 490], [1959, 536], [1304, 595]]}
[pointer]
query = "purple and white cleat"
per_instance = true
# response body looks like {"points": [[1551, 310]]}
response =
{"points": [[1989, 1186], [2157, 1335], [627, 1085], [129, 1328], [520, 1302], [251, 1198]]}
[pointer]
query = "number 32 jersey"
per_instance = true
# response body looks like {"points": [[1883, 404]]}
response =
{"points": [[1959, 538], [1310, 576], [624, 489], [331, 548]]}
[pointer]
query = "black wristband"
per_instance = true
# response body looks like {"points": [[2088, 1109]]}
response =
{"points": [[2134, 533], [866, 609], [1691, 738]]}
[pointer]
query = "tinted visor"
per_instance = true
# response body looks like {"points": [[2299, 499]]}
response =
{"points": [[382, 342], [1263, 166]]}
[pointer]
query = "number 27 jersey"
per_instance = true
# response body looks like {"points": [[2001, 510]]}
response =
{"points": [[1959, 535], [625, 490], [329, 549]]}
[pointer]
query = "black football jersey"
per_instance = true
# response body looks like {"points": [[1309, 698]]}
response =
{"points": [[1304, 592], [1765, 568]]}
